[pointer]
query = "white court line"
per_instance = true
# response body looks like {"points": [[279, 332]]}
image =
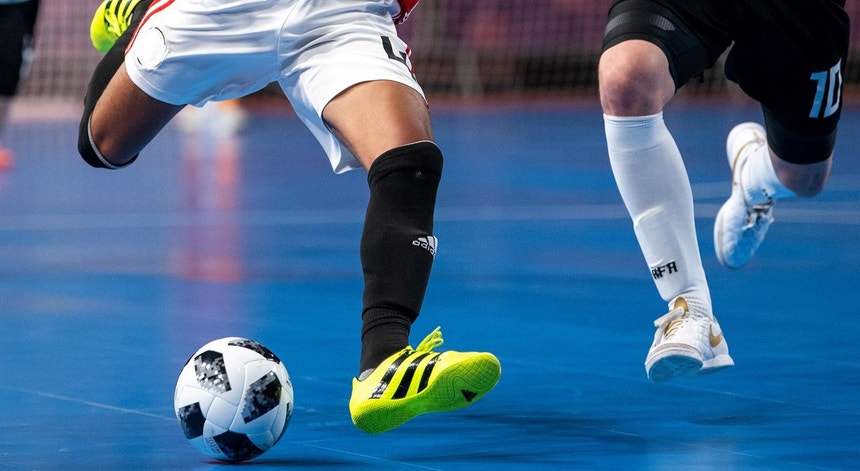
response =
{"points": [[173, 419], [584, 212], [86, 403]]}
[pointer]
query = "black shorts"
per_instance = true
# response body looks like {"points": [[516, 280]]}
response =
{"points": [[789, 55], [17, 23]]}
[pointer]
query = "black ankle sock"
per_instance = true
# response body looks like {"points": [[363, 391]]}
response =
{"points": [[383, 332]]}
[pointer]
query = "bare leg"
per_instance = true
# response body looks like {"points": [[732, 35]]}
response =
{"points": [[125, 119], [373, 117]]}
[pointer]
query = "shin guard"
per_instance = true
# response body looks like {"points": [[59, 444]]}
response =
{"points": [[397, 245]]}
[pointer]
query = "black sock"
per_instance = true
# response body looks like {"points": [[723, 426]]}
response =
{"points": [[397, 246], [383, 332]]}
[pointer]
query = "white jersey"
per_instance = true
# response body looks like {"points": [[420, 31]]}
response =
{"points": [[192, 52]]}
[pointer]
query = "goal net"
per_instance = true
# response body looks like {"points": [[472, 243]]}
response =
{"points": [[461, 49]]}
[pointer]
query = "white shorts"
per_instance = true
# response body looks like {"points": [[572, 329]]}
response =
{"points": [[194, 51]]}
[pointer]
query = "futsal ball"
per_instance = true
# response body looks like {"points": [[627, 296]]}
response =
{"points": [[233, 399]]}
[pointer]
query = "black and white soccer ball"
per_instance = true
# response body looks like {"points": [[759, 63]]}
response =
{"points": [[233, 399]]}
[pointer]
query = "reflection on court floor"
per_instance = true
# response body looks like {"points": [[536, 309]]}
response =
{"points": [[109, 280]]}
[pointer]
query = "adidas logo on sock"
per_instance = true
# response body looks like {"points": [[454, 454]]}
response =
{"points": [[427, 243]]}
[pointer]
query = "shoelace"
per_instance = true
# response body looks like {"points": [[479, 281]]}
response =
{"points": [[757, 213], [431, 341], [673, 320]]}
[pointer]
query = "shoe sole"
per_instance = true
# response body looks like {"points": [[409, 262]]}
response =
{"points": [[671, 366], [718, 240], [719, 223], [681, 361], [458, 386]]}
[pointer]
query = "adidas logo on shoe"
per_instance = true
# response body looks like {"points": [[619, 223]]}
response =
{"points": [[427, 243]]}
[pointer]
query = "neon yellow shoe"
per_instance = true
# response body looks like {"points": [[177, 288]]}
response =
{"points": [[417, 381], [110, 21]]}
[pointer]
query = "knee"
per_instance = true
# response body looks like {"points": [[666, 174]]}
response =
{"points": [[804, 180], [90, 152], [801, 151], [634, 79]]}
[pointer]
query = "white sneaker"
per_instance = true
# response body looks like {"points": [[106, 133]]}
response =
{"points": [[686, 344], [740, 227]]}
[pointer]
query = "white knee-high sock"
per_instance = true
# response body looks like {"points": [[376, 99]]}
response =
{"points": [[758, 178], [654, 185]]}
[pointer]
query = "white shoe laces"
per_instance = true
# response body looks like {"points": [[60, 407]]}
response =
{"points": [[758, 214], [672, 321]]}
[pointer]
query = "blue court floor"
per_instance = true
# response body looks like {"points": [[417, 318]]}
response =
{"points": [[110, 280]]}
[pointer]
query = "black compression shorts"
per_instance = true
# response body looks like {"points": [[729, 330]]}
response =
{"points": [[17, 23], [789, 55]]}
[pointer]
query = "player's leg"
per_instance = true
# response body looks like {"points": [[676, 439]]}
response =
{"points": [[7, 158], [114, 133], [119, 119], [373, 117], [31, 14], [386, 125], [759, 179], [648, 54], [360, 99], [13, 34], [801, 100]]}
